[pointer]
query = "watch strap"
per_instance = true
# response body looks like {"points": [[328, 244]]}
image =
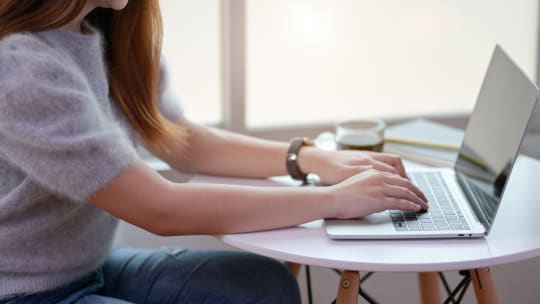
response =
{"points": [[292, 157]]}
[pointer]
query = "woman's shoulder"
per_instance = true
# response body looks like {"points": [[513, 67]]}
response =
{"points": [[27, 58], [22, 40], [24, 45]]}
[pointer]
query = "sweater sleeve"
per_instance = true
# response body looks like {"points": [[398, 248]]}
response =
{"points": [[53, 128]]}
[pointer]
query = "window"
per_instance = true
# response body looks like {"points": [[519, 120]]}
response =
{"points": [[311, 62], [320, 60]]}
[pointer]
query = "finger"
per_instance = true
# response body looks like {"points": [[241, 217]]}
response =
{"points": [[405, 193], [392, 160], [402, 204], [382, 167], [403, 182]]}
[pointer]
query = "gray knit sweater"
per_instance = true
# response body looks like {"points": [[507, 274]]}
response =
{"points": [[61, 139]]}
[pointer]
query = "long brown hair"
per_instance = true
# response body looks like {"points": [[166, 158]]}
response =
{"points": [[133, 49]]}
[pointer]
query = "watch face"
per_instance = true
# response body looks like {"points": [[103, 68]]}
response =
{"points": [[291, 157]]}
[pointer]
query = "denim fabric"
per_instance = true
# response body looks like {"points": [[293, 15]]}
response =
{"points": [[177, 276]]}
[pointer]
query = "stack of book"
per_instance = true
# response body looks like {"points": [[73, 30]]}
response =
{"points": [[424, 141]]}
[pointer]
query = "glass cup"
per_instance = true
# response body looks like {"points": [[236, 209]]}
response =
{"points": [[360, 134]]}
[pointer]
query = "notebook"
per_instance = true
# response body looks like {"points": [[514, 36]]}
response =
{"points": [[424, 141], [463, 199]]}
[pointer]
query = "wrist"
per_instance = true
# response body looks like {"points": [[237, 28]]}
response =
{"points": [[328, 205], [306, 159], [310, 159]]}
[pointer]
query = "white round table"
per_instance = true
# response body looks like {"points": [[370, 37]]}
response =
{"points": [[515, 236]]}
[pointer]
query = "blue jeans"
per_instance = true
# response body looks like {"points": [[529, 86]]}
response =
{"points": [[177, 276]]}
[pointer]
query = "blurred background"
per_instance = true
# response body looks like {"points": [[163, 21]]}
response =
{"points": [[282, 68]]}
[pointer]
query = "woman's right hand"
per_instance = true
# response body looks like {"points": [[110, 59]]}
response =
{"points": [[374, 191]]}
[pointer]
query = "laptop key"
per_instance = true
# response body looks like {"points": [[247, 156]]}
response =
{"points": [[456, 226], [429, 227], [413, 224]]}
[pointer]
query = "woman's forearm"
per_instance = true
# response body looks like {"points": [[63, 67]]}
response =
{"points": [[219, 152], [232, 209], [142, 197]]}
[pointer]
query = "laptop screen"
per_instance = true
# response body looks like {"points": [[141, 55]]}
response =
{"points": [[494, 134]]}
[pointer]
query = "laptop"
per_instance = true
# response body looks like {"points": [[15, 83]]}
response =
{"points": [[464, 199]]}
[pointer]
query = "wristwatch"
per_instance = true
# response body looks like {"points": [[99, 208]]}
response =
{"points": [[292, 157]]}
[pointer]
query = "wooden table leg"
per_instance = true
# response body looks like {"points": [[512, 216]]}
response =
{"points": [[349, 285], [294, 267], [429, 287], [484, 287]]}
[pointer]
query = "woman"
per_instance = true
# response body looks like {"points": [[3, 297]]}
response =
{"points": [[80, 85]]}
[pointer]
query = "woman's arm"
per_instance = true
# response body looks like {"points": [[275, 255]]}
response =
{"points": [[142, 197], [218, 152]]}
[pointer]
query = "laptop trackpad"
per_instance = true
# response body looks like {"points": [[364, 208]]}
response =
{"points": [[367, 227], [375, 219]]}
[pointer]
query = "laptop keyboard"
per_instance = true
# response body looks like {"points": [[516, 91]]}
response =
{"points": [[443, 213]]}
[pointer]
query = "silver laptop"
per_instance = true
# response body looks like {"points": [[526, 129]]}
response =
{"points": [[463, 200]]}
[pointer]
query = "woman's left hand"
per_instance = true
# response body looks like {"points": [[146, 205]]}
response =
{"points": [[333, 167]]}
